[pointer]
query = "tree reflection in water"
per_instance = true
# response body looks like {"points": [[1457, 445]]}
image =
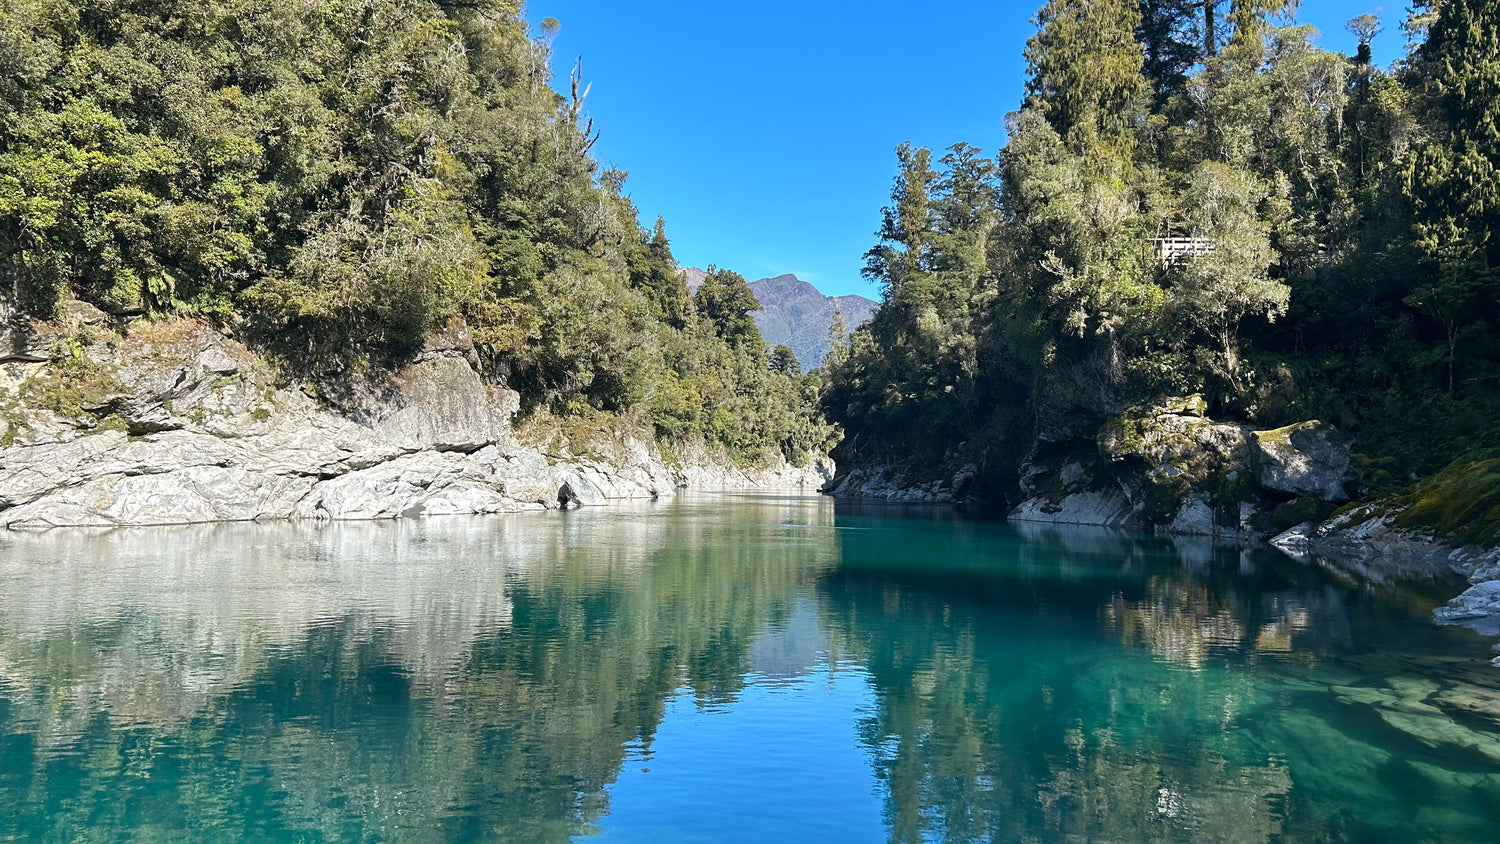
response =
{"points": [[489, 678]]}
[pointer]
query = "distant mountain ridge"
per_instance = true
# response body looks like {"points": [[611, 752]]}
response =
{"points": [[797, 315]]}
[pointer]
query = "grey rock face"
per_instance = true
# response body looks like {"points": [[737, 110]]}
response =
{"points": [[28, 342], [1106, 507], [1182, 472], [440, 404], [210, 436], [1309, 458], [576, 491], [892, 483], [1196, 518], [1080, 397]]}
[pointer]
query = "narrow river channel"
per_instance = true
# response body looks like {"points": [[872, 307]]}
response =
{"points": [[727, 668]]}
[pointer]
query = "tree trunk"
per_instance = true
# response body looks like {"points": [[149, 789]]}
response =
{"points": [[1230, 342], [1452, 347], [1209, 45]]}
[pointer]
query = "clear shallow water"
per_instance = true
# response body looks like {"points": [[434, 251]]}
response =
{"points": [[730, 669]]}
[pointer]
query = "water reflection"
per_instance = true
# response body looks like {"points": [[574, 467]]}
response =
{"points": [[491, 679]]}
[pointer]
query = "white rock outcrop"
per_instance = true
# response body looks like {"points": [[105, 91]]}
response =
{"points": [[184, 425]]}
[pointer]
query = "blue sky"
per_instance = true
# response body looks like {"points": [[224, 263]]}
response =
{"points": [[764, 132]]}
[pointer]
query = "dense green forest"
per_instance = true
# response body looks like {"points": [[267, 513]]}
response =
{"points": [[1350, 210], [333, 180]]}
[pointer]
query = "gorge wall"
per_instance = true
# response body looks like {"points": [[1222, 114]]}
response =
{"points": [[174, 422], [1168, 468]]}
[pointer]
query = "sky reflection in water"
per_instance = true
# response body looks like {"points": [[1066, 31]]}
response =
{"points": [[742, 668]]}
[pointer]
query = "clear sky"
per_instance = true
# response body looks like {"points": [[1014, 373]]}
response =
{"points": [[764, 131]]}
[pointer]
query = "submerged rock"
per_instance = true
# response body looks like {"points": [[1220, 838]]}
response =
{"points": [[1409, 704]]}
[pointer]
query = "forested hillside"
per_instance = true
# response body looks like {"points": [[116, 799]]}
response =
{"points": [[1336, 259], [334, 180], [795, 314]]}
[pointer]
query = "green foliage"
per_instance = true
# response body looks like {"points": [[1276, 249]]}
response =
{"points": [[1219, 290], [340, 178], [1461, 502], [1085, 69], [1344, 218], [725, 300]]}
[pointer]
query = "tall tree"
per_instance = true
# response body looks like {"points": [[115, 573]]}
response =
{"points": [[1168, 34], [1454, 180], [653, 270], [725, 299], [899, 262], [1084, 67]]}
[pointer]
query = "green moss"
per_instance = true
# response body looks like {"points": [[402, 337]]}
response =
{"points": [[68, 385], [260, 414], [114, 422], [1460, 503], [670, 453], [11, 431]]}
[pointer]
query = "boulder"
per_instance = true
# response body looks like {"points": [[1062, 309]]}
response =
{"points": [[77, 313], [1478, 600], [1309, 458], [32, 341], [29, 342], [1174, 435], [577, 491], [1106, 507], [1178, 467]]}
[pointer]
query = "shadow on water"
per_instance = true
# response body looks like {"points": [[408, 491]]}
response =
{"points": [[1077, 683], [495, 679]]}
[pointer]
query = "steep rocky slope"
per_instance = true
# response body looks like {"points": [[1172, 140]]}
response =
{"points": [[173, 422]]}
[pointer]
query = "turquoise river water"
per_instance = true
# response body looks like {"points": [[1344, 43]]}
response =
{"points": [[753, 668]]}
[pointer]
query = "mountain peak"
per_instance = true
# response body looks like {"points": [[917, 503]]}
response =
{"points": [[794, 313]]}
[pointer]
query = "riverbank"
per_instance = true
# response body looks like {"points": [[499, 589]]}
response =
{"points": [[1166, 468], [174, 422]]}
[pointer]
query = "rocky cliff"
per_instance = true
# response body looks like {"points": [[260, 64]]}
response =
{"points": [[1165, 467], [1168, 468], [174, 422]]}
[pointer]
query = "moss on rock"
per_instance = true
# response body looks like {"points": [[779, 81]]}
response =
{"points": [[1461, 503]]}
